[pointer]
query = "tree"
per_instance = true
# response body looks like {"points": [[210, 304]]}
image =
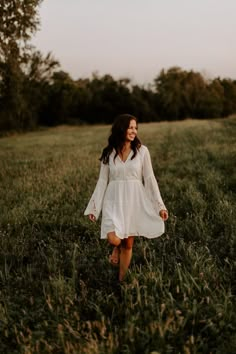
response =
{"points": [[18, 62], [229, 102], [108, 98], [182, 94], [211, 103], [60, 99], [192, 91], [38, 73], [169, 86], [144, 104]]}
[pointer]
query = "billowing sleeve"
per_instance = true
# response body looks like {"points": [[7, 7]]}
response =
{"points": [[150, 183], [95, 204]]}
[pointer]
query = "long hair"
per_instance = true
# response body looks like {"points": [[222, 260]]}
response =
{"points": [[118, 137]]}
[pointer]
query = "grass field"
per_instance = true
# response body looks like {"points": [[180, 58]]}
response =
{"points": [[58, 293]]}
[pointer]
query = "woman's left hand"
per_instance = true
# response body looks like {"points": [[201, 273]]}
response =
{"points": [[164, 214], [92, 217]]}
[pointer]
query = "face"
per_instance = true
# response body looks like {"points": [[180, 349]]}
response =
{"points": [[132, 131]]}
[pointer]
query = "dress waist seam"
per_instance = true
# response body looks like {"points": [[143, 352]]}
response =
{"points": [[126, 180]]}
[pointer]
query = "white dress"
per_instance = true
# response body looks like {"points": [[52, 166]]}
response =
{"points": [[129, 197]]}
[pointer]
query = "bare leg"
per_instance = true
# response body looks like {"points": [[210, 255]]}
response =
{"points": [[125, 256], [115, 241], [114, 258]]}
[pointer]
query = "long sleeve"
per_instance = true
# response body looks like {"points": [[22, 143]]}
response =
{"points": [[150, 183], [95, 204]]}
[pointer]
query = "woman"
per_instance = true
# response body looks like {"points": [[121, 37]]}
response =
{"points": [[127, 193]]}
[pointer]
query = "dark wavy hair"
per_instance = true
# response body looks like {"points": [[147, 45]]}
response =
{"points": [[118, 137]]}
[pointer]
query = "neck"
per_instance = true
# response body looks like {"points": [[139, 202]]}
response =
{"points": [[127, 145]]}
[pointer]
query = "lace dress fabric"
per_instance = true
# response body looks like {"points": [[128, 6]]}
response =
{"points": [[128, 195]]}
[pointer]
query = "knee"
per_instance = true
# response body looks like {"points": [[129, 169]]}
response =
{"points": [[113, 239], [127, 243]]}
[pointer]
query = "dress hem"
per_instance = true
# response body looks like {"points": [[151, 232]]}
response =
{"points": [[132, 234]]}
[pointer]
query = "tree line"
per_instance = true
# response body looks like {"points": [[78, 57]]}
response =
{"points": [[35, 91]]}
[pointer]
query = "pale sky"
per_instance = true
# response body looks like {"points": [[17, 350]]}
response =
{"points": [[138, 38]]}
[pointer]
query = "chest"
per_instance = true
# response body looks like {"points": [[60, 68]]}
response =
{"points": [[128, 169], [125, 154]]}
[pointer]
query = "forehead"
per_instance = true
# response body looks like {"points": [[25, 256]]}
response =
{"points": [[132, 123]]}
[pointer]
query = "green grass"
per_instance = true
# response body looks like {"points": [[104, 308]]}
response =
{"points": [[58, 293]]}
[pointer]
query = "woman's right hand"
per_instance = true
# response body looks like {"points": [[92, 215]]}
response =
{"points": [[92, 217]]}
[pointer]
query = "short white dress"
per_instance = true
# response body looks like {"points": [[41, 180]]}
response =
{"points": [[129, 197]]}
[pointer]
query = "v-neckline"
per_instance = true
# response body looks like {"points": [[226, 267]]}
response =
{"points": [[124, 161]]}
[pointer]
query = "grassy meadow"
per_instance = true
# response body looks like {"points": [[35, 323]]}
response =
{"points": [[58, 292]]}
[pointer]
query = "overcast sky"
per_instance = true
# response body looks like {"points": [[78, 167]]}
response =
{"points": [[137, 38]]}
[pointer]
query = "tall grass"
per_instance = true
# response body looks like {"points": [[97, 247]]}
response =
{"points": [[59, 293]]}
